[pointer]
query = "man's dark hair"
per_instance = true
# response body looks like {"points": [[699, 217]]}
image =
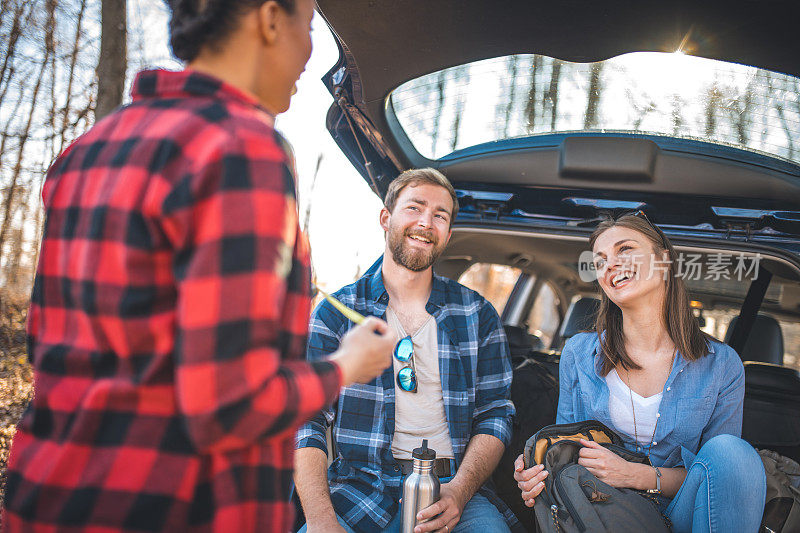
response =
{"points": [[198, 23]]}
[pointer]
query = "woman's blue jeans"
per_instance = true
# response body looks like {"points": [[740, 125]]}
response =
{"points": [[724, 489]]}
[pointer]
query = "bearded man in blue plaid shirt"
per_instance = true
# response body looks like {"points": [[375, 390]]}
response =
{"points": [[453, 389]]}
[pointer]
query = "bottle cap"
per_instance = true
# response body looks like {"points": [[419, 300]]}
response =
{"points": [[424, 453]]}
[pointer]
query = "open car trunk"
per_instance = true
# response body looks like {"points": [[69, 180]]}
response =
{"points": [[387, 46]]}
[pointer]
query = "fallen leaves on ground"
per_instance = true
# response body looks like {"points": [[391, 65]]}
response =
{"points": [[16, 374]]}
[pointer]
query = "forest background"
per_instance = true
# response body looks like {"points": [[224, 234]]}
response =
{"points": [[64, 64]]}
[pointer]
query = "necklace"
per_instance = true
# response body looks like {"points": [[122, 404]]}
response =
{"points": [[633, 409]]}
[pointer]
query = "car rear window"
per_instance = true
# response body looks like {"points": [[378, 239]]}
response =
{"points": [[544, 317], [493, 282], [667, 94]]}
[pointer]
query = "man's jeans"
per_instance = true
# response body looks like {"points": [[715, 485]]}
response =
{"points": [[479, 515], [724, 489]]}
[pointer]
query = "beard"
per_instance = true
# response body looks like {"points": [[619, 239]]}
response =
{"points": [[410, 258]]}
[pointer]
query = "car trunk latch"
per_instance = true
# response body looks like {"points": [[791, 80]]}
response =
{"points": [[747, 228], [489, 205], [750, 220]]}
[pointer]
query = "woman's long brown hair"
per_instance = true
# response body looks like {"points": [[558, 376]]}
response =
{"points": [[680, 322]]}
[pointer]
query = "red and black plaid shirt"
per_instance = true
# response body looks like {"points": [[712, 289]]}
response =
{"points": [[168, 323]]}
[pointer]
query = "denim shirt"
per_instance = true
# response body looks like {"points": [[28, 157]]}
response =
{"points": [[701, 399]]}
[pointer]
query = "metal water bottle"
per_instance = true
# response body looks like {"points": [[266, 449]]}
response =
{"points": [[420, 488]]}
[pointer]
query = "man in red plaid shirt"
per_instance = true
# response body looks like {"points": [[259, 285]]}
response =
{"points": [[169, 314]]}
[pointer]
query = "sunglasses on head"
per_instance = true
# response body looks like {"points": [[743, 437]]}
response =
{"points": [[406, 377], [641, 214]]}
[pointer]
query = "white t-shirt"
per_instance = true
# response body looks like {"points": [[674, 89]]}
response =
{"points": [[619, 407], [420, 415]]}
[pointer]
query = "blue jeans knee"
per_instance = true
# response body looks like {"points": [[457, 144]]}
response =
{"points": [[481, 515], [724, 489], [731, 460]]}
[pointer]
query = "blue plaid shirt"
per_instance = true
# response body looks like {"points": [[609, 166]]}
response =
{"points": [[365, 480]]}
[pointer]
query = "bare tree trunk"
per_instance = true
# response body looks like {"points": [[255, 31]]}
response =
{"points": [[552, 93], [16, 240], [113, 57], [7, 128], [440, 85], [307, 218], [512, 94], [18, 26], [20, 155], [740, 112], [457, 122], [13, 35], [712, 105], [786, 130], [84, 114], [530, 106], [677, 116], [462, 74], [50, 45], [73, 60], [744, 118], [4, 8], [37, 243], [593, 97]]}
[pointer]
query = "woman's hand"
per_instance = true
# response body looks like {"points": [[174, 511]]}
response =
{"points": [[530, 481], [607, 466]]}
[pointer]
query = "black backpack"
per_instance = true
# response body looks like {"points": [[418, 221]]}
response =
{"points": [[534, 391], [573, 499], [782, 508]]}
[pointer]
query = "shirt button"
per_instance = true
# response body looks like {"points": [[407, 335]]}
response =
{"points": [[396, 468], [654, 443], [669, 388], [658, 415]]}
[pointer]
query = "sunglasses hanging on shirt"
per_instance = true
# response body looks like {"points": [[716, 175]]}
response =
{"points": [[406, 377]]}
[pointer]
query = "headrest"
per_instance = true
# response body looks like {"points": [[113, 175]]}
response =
{"points": [[765, 343], [518, 337], [580, 316], [774, 380]]}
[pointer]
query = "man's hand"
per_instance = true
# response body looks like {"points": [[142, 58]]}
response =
{"points": [[365, 351], [607, 466], [447, 510], [530, 481]]}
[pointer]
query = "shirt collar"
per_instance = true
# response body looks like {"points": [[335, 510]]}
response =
{"points": [[376, 290], [438, 291], [175, 84]]}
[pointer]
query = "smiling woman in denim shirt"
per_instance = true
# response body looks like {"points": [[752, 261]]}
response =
{"points": [[669, 390]]}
